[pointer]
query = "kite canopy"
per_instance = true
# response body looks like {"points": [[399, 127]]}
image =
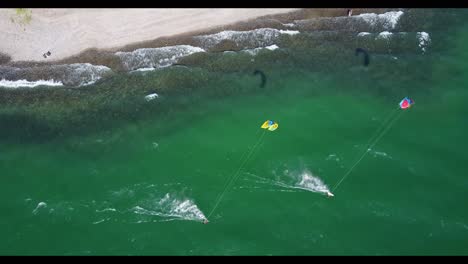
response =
{"points": [[273, 127], [270, 125], [406, 103]]}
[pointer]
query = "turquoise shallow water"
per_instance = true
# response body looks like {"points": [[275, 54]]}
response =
{"points": [[140, 182]]}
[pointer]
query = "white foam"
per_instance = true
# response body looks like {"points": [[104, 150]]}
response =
{"points": [[39, 206], [153, 58], [152, 96], [29, 84], [146, 69], [100, 221], [88, 83], [252, 52], [333, 157], [390, 19], [384, 34], [106, 210], [76, 74], [289, 32], [82, 74], [256, 50], [379, 153], [304, 181], [168, 206], [424, 40], [361, 34], [289, 24], [312, 183], [140, 210], [272, 47], [185, 209], [260, 37]]}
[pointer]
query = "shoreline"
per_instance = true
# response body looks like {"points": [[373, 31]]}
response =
{"points": [[96, 55], [86, 96]]}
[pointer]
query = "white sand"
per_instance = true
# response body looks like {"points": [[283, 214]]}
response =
{"points": [[67, 32]]}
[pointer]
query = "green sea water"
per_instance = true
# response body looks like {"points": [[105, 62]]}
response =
{"points": [[139, 182]]}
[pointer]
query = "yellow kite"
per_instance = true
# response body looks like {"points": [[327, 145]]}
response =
{"points": [[270, 125]]}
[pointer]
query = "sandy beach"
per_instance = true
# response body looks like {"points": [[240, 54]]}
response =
{"points": [[67, 32]]}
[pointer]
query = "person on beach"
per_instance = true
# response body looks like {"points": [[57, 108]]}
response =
{"points": [[350, 12], [47, 54]]}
